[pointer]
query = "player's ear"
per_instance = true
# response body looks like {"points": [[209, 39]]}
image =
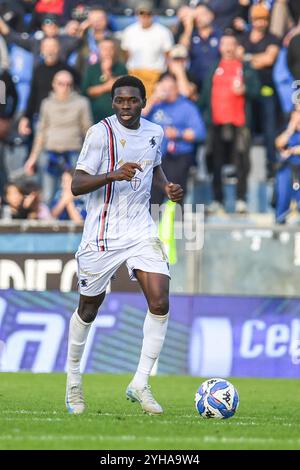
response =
{"points": [[144, 102]]}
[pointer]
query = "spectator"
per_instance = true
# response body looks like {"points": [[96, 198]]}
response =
{"points": [[14, 198], [287, 186], [183, 14], [50, 29], [95, 29], [100, 77], [63, 122], [224, 11], [42, 82], [183, 129], [8, 105], [261, 48], [202, 40], [225, 99], [65, 206], [177, 65], [146, 45], [37, 210]]}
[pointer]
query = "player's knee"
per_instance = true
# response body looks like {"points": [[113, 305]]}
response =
{"points": [[89, 306], [88, 312], [159, 306]]}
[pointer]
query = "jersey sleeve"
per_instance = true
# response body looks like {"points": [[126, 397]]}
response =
{"points": [[92, 152], [157, 160]]}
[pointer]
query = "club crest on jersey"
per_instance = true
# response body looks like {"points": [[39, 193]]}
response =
{"points": [[152, 142], [135, 183]]}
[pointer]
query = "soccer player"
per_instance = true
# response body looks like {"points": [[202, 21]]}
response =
{"points": [[119, 158]]}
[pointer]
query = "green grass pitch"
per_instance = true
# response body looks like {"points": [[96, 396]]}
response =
{"points": [[33, 416]]}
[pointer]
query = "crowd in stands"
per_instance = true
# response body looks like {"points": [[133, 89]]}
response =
{"points": [[219, 75]]}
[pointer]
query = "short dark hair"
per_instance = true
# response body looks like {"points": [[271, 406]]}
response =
{"points": [[229, 33], [129, 80]]}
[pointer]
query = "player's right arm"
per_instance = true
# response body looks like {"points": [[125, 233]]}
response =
{"points": [[84, 183], [86, 177]]}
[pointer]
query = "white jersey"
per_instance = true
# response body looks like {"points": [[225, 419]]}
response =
{"points": [[118, 213]]}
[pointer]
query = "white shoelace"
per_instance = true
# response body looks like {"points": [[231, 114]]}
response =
{"points": [[148, 394], [76, 395]]}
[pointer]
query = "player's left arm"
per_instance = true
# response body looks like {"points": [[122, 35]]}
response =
{"points": [[172, 190]]}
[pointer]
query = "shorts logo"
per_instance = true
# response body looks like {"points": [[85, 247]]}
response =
{"points": [[135, 183], [83, 282]]}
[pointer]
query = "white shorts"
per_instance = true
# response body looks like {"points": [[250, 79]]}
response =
{"points": [[96, 268]]}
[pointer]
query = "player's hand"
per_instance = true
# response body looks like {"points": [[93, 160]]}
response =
{"points": [[126, 172], [174, 192]]}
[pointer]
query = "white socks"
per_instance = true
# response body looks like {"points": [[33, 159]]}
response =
{"points": [[155, 329], [78, 332]]}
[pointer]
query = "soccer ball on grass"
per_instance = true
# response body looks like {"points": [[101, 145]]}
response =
{"points": [[216, 398]]}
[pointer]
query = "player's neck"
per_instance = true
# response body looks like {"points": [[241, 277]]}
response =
{"points": [[131, 127]]}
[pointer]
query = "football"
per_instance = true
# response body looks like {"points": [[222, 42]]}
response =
{"points": [[216, 398]]}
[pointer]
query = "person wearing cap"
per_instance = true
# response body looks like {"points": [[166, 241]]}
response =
{"points": [[202, 40], [177, 65], [50, 29], [146, 44], [261, 49]]}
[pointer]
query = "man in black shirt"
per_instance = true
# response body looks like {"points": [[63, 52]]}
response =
{"points": [[261, 48], [41, 83]]}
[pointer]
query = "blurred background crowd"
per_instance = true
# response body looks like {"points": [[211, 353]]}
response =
{"points": [[222, 79]]}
